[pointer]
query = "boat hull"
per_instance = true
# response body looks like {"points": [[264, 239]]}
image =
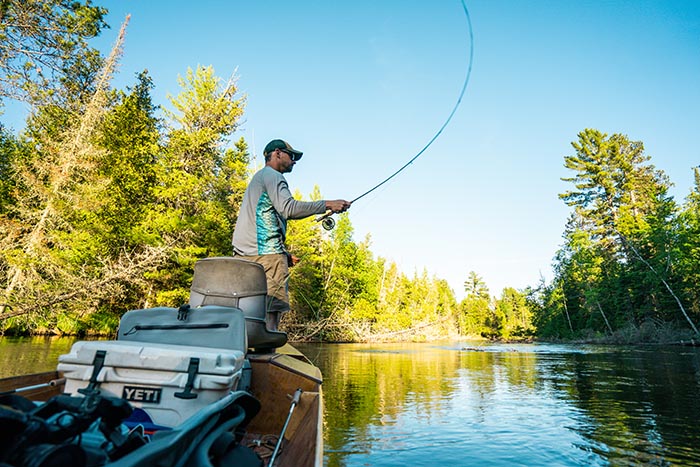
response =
{"points": [[275, 377]]}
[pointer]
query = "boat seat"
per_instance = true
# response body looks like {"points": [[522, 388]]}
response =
{"points": [[233, 282]]}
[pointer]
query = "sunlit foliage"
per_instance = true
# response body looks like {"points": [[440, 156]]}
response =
{"points": [[107, 201], [629, 252]]}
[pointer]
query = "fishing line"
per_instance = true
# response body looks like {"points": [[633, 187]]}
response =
{"points": [[327, 221]]}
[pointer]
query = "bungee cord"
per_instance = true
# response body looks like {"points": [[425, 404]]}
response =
{"points": [[327, 221]]}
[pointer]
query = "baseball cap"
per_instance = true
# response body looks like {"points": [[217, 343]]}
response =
{"points": [[281, 144]]}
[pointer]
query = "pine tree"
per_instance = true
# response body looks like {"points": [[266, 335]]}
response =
{"points": [[617, 262], [44, 55]]}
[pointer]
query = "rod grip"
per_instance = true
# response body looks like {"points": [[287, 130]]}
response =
{"points": [[323, 216]]}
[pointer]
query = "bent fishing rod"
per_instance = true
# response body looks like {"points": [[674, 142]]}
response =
{"points": [[327, 220]]}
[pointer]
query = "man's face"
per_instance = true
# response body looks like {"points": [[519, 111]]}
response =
{"points": [[287, 160]]}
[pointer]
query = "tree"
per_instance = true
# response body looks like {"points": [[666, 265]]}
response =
{"points": [[131, 140], [199, 180], [689, 244], [475, 286], [43, 48], [514, 314], [306, 282], [476, 316], [551, 317], [618, 260], [11, 150], [42, 243], [615, 188], [106, 213]]}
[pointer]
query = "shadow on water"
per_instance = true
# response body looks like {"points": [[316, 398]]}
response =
{"points": [[531, 404]]}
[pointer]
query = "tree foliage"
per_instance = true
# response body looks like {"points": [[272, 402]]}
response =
{"points": [[628, 249], [107, 200], [108, 205], [339, 291], [43, 48]]}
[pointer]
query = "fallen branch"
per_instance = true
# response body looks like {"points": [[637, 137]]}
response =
{"points": [[663, 281]]}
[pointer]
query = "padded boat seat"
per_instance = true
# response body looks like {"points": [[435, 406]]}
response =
{"points": [[233, 282]]}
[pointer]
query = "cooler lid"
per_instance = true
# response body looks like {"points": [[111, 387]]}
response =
{"points": [[161, 357]]}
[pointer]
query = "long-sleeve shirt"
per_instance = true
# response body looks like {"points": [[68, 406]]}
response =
{"points": [[267, 204]]}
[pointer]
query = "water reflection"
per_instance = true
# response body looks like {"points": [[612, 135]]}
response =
{"points": [[488, 405], [21, 355], [509, 405], [641, 403]]}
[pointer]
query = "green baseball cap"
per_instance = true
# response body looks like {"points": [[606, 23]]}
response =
{"points": [[281, 144]]}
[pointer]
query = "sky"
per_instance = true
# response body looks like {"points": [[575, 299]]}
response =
{"points": [[362, 86]]}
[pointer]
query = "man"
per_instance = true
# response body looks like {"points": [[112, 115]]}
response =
{"points": [[261, 227]]}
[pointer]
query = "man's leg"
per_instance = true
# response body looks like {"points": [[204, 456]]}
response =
{"points": [[277, 275]]}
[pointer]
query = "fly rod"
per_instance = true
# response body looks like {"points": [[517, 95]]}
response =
{"points": [[326, 220]]}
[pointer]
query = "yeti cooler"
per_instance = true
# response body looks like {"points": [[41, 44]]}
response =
{"points": [[170, 382]]}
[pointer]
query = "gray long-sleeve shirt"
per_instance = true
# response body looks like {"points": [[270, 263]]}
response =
{"points": [[261, 227]]}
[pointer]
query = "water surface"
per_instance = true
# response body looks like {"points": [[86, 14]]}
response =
{"points": [[464, 404], [502, 405]]}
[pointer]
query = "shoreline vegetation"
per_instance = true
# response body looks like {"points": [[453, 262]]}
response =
{"points": [[107, 201], [647, 334]]}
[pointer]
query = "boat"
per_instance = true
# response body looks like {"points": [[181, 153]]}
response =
{"points": [[206, 384]]}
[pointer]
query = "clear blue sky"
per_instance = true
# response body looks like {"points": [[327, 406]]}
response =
{"points": [[361, 86]]}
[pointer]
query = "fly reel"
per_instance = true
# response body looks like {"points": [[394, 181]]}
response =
{"points": [[328, 223]]}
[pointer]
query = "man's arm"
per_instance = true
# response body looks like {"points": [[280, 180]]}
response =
{"points": [[284, 202], [290, 208]]}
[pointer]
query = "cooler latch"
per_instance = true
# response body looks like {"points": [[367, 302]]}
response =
{"points": [[97, 364], [182, 312], [191, 373]]}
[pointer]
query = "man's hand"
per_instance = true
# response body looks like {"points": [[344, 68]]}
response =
{"points": [[337, 205]]}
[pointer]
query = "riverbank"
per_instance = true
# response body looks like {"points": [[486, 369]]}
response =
{"points": [[648, 333]]}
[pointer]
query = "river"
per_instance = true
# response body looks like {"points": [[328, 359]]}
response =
{"points": [[476, 404]]}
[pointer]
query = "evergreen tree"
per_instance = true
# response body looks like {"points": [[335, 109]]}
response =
{"points": [[616, 267], [306, 283], [44, 55], [475, 286], [11, 149], [475, 309], [688, 249], [198, 180], [514, 314], [47, 256], [105, 215]]}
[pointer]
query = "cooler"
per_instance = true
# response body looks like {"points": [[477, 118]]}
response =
{"points": [[169, 382]]}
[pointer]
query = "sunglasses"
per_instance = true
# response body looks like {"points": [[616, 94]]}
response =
{"points": [[292, 156]]}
